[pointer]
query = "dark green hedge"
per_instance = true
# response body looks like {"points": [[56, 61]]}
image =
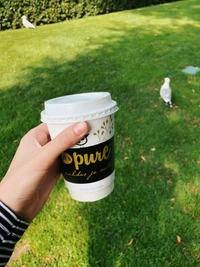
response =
{"points": [[51, 11]]}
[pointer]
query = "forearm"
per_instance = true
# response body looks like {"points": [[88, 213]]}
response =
{"points": [[11, 229]]}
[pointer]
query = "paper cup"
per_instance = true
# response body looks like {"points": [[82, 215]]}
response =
{"points": [[88, 166]]}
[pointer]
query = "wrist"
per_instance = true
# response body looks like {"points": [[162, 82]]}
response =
{"points": [[9, 198]]}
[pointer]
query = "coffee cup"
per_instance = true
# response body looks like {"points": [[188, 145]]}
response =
{"points": [[87, 167]]}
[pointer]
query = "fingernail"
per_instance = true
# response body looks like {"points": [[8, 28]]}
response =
{"points": [[80, 128]]}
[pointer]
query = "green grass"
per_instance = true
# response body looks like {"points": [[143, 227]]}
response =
{"points": [[157, 189]]}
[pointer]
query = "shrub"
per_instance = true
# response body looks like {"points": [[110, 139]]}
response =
{"points": [[51, 11]]}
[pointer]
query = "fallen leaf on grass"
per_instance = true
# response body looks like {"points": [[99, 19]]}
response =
{"points": [[130, 242], [48, 260], [143, 158], [169, 181], [80, 218], [178, 239]]}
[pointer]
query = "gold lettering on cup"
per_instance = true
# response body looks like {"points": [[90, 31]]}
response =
{"points": [[87, 159]]}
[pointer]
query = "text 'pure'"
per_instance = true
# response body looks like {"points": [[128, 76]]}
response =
{"points": [[86, 158]]}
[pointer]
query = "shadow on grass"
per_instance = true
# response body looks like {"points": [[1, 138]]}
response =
{"points": [[156, 148]]}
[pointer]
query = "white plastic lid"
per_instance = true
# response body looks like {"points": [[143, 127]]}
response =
{"points": [[78, 107]]}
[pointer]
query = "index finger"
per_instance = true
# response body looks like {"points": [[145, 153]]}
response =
{"points": [[41, 134]]}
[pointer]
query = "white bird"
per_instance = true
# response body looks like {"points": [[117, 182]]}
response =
{"points": [[166, 92], [27, 23]]}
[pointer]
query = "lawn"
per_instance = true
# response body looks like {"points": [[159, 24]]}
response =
{"points": [[152, 217]]}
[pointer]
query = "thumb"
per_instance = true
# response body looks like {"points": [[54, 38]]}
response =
{"points": [[67, 138]]}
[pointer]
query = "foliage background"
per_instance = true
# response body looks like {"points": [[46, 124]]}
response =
{"points": [[51, 11]]}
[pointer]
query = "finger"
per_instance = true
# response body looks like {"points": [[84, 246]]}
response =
{"points": [[41, 134], [35, 138], [67, 138]]}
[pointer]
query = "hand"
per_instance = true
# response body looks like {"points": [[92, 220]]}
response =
{"points": [[35, 169]]}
